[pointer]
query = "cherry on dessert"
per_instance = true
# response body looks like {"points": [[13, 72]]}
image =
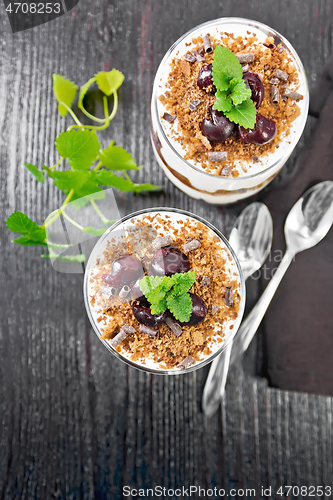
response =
{"points": [[219, 128], [126, 269], [253, 82], [169, 260], [199, 310], [263, 132], [142, 312], [205, 78]]}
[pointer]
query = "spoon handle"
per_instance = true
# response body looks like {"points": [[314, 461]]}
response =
{"points": [[250, 325], [215, 383]]}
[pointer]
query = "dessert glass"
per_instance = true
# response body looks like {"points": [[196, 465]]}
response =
{"points": [[191, 178], [117, 231]]}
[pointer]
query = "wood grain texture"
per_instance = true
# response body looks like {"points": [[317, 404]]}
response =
{"points": [[75, 422]]}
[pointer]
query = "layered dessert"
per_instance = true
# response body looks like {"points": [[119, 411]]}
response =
{"points": [[229, 104], [164, 291]]}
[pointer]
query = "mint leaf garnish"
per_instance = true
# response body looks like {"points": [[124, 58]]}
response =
{"points": [[81, 147], [110, 81], [169, 292], [244, 114], [233, 98], [180, 306], [107, 178], [84, 90], [117, 158], [21, 223], [65, 92], [35, 172], [82, 183]]}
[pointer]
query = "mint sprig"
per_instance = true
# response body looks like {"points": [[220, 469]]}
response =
{"points": [[232, 96], [91, 168], [169, 292]]}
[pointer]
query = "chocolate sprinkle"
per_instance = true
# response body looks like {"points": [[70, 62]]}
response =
{"points": [[207, 44], [226, 171], [118, 338], [215, 308], [192, 245], [174, 326], [229, 296], [169, 118], [275, 94], [274, 81], [148, 330], [245, 68], [205, 280], [188, 361], [190, 57], [198, 57], [128, 329], [217, 156], [255, 159], [292, 94], [193, 106], [162, 242], [124, 291], [245, 58], [281, 75], [107, 291]]}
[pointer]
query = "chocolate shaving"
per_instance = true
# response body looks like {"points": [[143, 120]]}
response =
{"points": [[149, 331], [118, 338], [292, 94], [217, 156], [124, 291], [245, 58], [188, 361], [281, 75], [275, 94], [215, 308], [198, 57], [226, 171], [192, 245], [207, 44], [107, 291], [128, 329], [193, 106], [190, 57], [274, 81], [205, 280], [201, 50], [164, 241], [255, 159], [169, 118], [245, 68], [174, 326], [229, 296]]}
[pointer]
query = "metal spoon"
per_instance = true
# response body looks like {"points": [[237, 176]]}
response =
{"points": [[307, 224], [251, 238]]}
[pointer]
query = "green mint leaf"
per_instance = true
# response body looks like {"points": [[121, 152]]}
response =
{"points": [[110, 81], [240, 92], [243, 114], [35, 172], [155, 288], [26, 241], [93, 231], [223, 101], [117, 158], [159, 307], [107, 178], [226, 67], [183, 282], [21, 223], [84, 90], [83, 183], [64, 91], [180, 306], [81, 147], [67, 258]]}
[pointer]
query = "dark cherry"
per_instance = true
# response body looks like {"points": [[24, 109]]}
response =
{"points": [[264, 131], [205, 78], [219, 128], [124, 270], [142, 312], [136, 290], [199, 310], [253, 82], [169, 260]]}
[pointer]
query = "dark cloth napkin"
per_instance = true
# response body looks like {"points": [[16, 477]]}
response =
{"points": [[298, 342]]}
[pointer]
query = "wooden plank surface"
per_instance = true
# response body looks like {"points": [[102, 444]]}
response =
{"points": [[75, 422]]}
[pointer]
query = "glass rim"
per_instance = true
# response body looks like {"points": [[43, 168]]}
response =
{"points": [[257, 24], [170, 371]]}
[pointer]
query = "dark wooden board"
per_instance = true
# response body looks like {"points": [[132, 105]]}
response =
{"points": [[75, 422]]}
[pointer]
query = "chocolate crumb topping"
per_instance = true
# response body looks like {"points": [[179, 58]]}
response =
{"points": [[148, 331], [292, 94], [217, 156], [281, 75], [245, 58], [174, 326], [188, 361], [275, 94], [169, 118], [229, 296], [192, 245]]}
